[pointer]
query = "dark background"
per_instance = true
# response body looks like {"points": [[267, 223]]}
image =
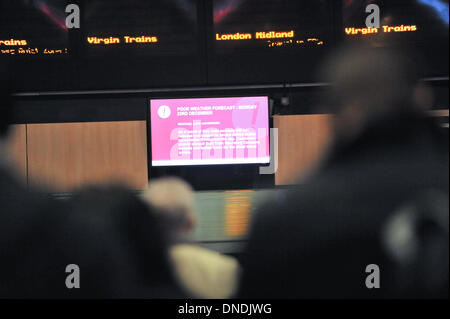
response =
{"points": [[115, 83], [187, 54]]}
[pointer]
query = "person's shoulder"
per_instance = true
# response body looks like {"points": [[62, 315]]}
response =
{"points": [[98, 192], [203, 272], [302, 197], [300, 212], [105, 199], [200, 254], [17, 198]]}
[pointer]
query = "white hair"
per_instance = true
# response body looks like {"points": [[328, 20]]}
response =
{"points": [[173, 198]]}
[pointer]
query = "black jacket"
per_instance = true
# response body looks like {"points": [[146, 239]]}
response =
{"points": [[108, 232], [317, 239]]}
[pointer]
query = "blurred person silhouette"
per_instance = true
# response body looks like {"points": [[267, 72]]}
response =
{"points": [[379, 199], [108, 232], [119, 246], [202, 272], [27, 220]]}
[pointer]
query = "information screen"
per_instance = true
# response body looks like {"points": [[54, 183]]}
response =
{"points": [[33, 28], [140, 44], [273, 41], [413, 22], [140, 27], [210, 131], [270, 25], [418, 27]]}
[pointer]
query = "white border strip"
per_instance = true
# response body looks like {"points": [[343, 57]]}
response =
{"points": [[213, 161]]}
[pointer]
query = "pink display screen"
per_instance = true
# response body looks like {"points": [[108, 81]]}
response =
{"points": [[209, 131]]}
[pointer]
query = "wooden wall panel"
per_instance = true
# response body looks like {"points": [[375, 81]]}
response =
{"points": [[302, 141], [70, 155], [17, 149]]}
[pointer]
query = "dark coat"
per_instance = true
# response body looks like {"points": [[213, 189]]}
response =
{"points": [[316, 239], [108, 232]]}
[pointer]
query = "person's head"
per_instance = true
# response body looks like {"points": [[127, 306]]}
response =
{"points": [[174, 200], [109, 233], [117, 241], [5, 100], [369, 85]]}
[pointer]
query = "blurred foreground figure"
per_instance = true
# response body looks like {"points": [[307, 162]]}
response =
{"points": [[27, 224], [108, 233], [118, 245], [202, 272], [373, 221]]}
